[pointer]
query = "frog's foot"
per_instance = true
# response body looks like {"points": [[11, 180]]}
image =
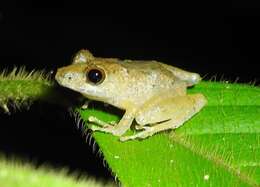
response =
{"points": [[139, 127], [107, 129], [149, 131], [101, 126], [100, 123], [117, 129]]}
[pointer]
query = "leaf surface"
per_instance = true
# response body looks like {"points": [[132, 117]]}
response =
{"points": [[219, 146]]}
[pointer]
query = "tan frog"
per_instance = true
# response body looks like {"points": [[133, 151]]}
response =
{"points": [[151, 93]]}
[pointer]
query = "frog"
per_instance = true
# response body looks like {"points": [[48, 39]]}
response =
{"points": [[152, 94]]}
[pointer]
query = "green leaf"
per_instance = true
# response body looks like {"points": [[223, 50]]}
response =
{"points": [[220, 146]]}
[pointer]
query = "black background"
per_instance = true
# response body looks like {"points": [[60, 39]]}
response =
{"points": [[210, 39]]}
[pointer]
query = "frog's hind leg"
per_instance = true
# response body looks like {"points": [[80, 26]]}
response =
{"points": [[182, 109], [149, 131]]}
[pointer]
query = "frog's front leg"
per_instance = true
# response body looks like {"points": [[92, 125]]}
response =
{"points": [[86, 104], [117, 129], [96, 121], [170, 113]]}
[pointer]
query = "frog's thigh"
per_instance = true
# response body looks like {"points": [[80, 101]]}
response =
{"points": [[170, 108], [177, 110]]}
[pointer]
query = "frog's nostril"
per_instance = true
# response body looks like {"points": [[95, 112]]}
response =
{"points": [[68, 76]]}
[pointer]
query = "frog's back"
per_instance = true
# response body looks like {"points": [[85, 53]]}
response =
{"points": [[188, 77], [170, 71], [147, 67]]}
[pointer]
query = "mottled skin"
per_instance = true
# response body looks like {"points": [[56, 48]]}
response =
{"points": [[152, 93]]}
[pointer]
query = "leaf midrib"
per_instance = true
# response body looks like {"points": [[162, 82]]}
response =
{"points": [[217, 160]]}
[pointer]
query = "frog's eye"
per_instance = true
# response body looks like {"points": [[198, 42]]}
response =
{"points": [[95, 75]]}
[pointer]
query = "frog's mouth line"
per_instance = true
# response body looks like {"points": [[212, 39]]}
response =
{"points": [[92, 94]]}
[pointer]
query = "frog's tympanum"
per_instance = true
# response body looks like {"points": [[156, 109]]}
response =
{"points": [[151, 93]]}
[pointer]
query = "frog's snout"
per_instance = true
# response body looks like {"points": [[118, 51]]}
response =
{"points": [[58, 75], [61, 76], [68, 77]]}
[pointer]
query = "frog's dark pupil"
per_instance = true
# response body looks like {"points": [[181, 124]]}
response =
{"points": [[95, 75]]}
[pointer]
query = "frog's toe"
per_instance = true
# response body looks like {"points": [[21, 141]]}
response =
{"points": [[93, 119], [102, 129], [85, 105], [126, 138], [140, 135], [110, 130], [139, 127]]}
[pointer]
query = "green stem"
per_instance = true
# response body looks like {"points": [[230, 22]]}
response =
{"points": [[21, 88]]}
